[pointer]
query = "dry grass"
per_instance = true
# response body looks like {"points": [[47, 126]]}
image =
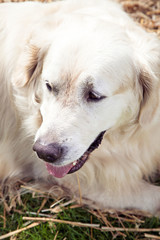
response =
{"points": [[146, 12], [50, 211]]}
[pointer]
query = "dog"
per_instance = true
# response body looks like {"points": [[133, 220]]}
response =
{"points": [[80, 98]]}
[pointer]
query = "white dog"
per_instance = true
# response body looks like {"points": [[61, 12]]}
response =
{"points": [[71, 73]]}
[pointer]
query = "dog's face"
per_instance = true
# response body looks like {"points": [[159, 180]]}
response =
{"points": [[88, 86], [87, 83]]}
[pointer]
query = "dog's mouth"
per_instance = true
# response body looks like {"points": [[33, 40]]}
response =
{"points": [[61, 171]]}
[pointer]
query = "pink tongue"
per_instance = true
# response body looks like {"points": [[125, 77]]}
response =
{"points": [[58, 172]]}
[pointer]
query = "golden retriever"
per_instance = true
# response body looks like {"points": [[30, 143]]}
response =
{"points": [[74, 73]]}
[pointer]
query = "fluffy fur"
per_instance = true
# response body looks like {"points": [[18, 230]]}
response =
{"points": [[78, 47]]}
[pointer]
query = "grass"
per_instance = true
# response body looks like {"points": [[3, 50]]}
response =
{"points": [[69, 213]]}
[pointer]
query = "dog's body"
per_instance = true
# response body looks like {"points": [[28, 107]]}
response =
{"points": [[68, 72]]}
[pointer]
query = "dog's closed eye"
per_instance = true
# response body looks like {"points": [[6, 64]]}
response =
{"points": [[94, 97], [48, 87], [51, 88]]}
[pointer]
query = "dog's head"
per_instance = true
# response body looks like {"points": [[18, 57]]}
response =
{"points": [[88, 79]]}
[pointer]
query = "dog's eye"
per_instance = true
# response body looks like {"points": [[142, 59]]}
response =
{"points": [[48, 86], [94, 97]]}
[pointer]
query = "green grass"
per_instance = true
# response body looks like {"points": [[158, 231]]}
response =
{"points": [[48, 230]]}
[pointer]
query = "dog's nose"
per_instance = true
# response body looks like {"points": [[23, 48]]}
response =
{"points": [[49, 153]]}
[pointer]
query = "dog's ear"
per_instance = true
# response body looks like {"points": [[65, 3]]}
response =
{"points": [[28, 67], [147, 59], [150, 97]]}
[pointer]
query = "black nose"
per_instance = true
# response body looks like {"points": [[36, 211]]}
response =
{"points": [[49, 153]]}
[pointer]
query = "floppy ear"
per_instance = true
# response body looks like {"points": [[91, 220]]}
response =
{"points": [[150, 97], [147, 58], [29, 66]]}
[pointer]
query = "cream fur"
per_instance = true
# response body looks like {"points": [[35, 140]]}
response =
{"points": [[73, 44]]}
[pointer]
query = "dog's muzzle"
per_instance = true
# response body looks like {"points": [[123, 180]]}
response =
{"points": [[52, 152]]}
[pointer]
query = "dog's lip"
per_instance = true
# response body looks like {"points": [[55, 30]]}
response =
{"points": [[61, 171], [83, 159]]}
